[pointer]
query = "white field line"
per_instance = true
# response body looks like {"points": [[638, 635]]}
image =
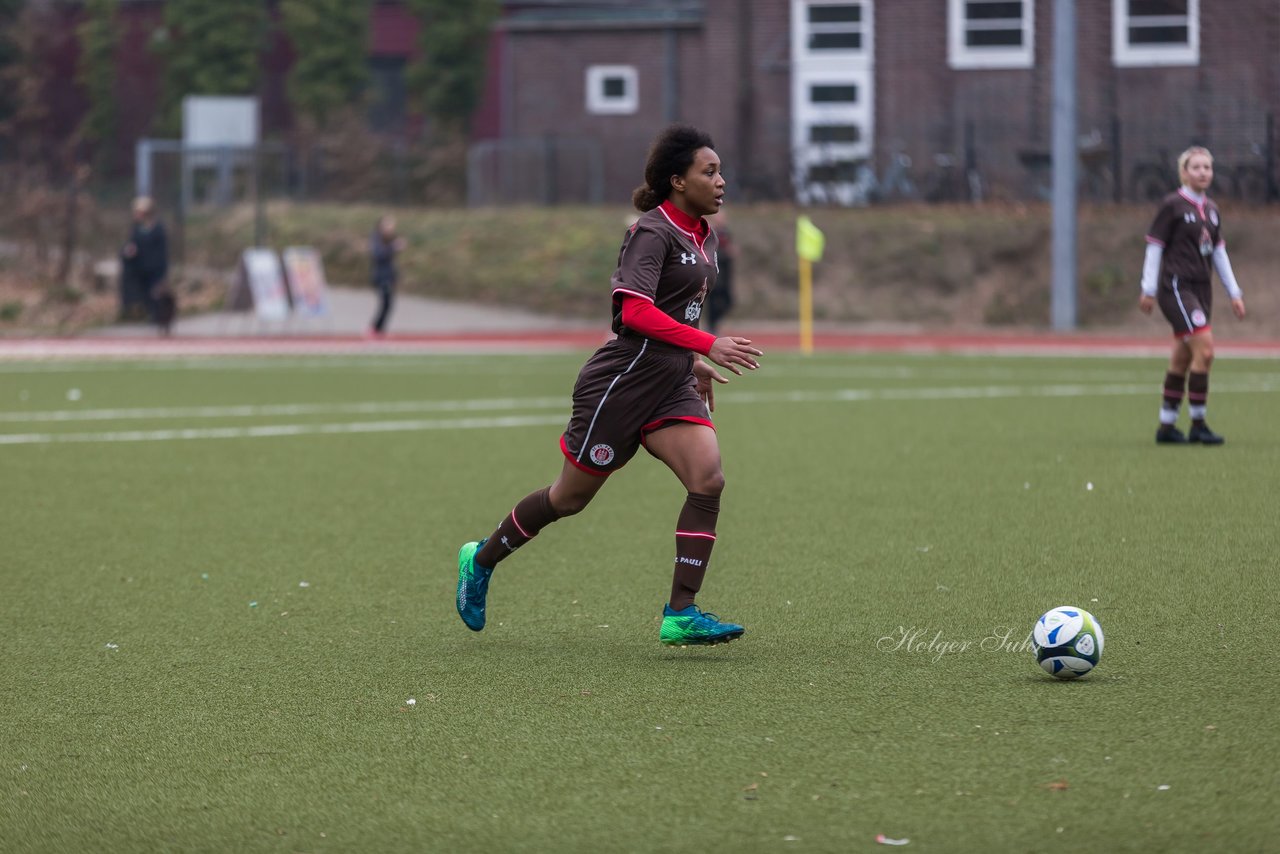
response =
{"points": [[837, 396], [278, 430], [437, 363], [183, 348], [283, 409]]}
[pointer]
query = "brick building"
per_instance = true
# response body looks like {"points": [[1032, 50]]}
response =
{"points": [[824, 100], [801, 94]]}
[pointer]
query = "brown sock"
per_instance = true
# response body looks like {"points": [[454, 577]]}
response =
{"points": [[695, 535], [1174, 384], [1197, 396], [531, 515]]}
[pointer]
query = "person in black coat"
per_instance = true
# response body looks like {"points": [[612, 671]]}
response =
{"points": [[384, 245], [146, 264]]}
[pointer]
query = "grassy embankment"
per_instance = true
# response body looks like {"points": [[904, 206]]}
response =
{"points": [[956, 266], [934, 266]]}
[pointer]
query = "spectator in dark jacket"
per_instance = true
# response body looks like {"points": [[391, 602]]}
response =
{"points": [[384, 245], [146, 263]]}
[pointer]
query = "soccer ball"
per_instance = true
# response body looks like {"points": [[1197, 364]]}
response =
{"points": [[1068, 642]]}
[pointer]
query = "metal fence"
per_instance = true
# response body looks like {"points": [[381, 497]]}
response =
{"points": [[1120, 161], [540, 171]]}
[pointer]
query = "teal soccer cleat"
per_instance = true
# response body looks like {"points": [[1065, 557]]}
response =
{"points": [[473, 586], [692, 626]]}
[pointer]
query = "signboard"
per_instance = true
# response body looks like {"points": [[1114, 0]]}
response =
{"points": [[265, 282], [304, 272], [213, 121]]}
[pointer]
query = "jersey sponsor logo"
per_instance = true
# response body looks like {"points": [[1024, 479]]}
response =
{"points": [[688, 258], [601, 454], [1198, 318]]}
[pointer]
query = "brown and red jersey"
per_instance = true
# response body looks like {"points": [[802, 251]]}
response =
{"points": [[668, 258], [1188, 230]]}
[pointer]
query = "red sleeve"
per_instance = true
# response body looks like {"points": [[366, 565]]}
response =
{"points": [[650, 321]]}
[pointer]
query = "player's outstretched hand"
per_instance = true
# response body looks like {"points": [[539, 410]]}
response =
{"points": [[732, 353], [1237, 305], [1146, 303]]}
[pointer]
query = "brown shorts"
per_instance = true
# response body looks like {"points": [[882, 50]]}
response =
{"points": [[1186, 305], [629, 388]]}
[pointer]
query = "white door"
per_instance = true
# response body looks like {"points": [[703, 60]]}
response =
{"points": [[832, 99]]}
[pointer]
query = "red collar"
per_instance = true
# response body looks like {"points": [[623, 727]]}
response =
{"points": [[695, 226]]}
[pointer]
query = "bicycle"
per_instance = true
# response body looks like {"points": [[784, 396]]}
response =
{"points": [[948, 182]]}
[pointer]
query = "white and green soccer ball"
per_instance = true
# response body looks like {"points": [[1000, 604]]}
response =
{"points": [[1068, 642]]}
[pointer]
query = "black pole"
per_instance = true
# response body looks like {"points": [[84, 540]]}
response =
{"points": [[1273, 189], [551, 171], [259, 214], [1117, 185], [970, 161], [746, 101]]}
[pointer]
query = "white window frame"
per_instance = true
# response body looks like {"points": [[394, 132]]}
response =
{"points": [[600, 104], [1126, 55], [963, 56], [800, 29]]}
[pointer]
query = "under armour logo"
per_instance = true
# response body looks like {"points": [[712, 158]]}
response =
{"points": [[688, 258], [693, 311]]}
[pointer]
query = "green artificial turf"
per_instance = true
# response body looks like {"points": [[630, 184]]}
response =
{"points": [[210, 638]]}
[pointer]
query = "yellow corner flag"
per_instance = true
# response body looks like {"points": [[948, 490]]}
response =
{"points": [[809, 240], [809, 245]]}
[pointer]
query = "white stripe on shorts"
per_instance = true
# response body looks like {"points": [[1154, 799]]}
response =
{"points": [[586, 439]]}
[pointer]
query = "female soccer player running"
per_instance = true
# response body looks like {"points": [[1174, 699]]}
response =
{"points": [[645, 387], [1184, 246]]}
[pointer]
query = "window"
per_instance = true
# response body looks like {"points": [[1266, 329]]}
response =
{"points": [[612, 90], [834, 27], [1155, 32], [991, 33], [833, 94], [834, 133]]}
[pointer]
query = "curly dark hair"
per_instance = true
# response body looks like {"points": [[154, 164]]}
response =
{"points": [[670, 154]]}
